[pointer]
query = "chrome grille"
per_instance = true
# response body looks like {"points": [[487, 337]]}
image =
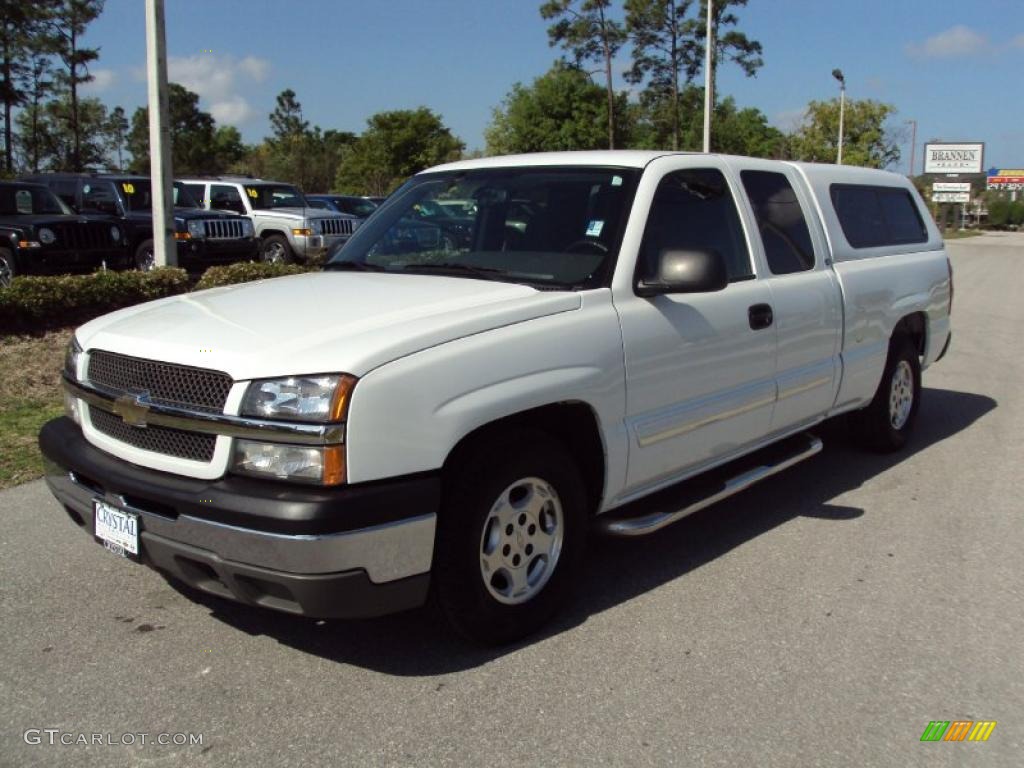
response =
{"points": [[170, 442], [223, 229], [336, 226], [167, 384]]}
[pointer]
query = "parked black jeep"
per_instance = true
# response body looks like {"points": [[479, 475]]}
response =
{"points": [[39, 235], [204, 238]]}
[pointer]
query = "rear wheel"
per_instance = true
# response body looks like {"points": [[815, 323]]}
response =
{"points": [[7, 270], [511, 536], [885, 424]]}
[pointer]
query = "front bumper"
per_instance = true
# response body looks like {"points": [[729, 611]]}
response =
{"points": [[311, 246], [199, 254], [349, 552]]}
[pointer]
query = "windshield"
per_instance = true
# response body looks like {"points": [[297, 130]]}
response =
{"points": [[139, 195], [266, 196], [16, 199], [558, 227]]}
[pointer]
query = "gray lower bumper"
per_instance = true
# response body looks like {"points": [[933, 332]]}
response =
{"points": [[365, 572]]}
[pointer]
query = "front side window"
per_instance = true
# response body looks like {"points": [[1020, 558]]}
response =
{"points": [[558, 227], [226, 197], [694, 210], [781, 222], [99, 196]]}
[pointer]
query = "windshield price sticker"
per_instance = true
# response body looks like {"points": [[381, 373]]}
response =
{"points": [[251, 191], [594, 228], [128, 188]]}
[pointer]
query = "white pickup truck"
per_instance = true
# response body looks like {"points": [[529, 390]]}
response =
{"points": [[614, 340]]}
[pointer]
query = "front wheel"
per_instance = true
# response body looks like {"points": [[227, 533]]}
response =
{"points": [[885, 424], [7, 271], [276, 250], [145, 256], [511, 536]]}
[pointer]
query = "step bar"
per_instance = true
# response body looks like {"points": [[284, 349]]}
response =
{"points": [[666, 507]]}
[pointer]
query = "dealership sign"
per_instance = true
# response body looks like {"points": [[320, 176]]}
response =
{"points": [[951, 186], [1006, 178], [954, 158]]}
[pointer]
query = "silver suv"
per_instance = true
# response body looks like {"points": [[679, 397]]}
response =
{"points": [[288, 228]]}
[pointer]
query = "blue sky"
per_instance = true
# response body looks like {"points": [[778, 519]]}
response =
{"points": [[954, 67]]}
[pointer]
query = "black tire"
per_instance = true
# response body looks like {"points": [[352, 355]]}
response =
{"points": [[145, 256], [276, 250], [880, 426], [8, 269], [471, 491]]}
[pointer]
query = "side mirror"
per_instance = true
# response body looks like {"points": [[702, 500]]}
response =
{"points": [[690, 271]]}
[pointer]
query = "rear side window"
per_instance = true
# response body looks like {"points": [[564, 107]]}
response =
{"points": [[876, 216], [694, 209], [781, 222]]}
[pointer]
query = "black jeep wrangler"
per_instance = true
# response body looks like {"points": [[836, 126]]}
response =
{"points": [[204, 238], [39, 235]]}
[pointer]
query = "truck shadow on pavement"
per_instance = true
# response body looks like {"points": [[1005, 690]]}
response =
{"points": [[419, 643]]}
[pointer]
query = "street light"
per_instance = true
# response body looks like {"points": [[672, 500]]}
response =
{"points": [[913, 144], [838, 75]]}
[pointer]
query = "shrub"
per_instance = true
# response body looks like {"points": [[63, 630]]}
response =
{"points": [[246, 271], [38, 303]]}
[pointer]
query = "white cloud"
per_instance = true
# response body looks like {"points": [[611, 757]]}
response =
{"points": [[218, 80], [102, 79], [955, 41], [233, 110]]}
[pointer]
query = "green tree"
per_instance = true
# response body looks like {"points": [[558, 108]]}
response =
{"points": [[562, 110], [193, 146], [394, 146], [23, 45], [584, 29], [67, 24], [117, 133], [38, 85], [57, 147], [228, 148], [286, 119], [664, 48], [866, 139]]}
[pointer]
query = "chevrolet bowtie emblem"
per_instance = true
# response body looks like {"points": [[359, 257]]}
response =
{"points": [[132, 409]]}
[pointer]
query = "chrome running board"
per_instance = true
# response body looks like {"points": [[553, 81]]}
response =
{"points": [[638, 518]]}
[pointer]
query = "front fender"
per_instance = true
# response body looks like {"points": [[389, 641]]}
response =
{"points": [[407, 416]]}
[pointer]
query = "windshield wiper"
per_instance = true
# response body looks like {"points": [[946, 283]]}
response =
{"points": [[484, 273], [357, 266]]}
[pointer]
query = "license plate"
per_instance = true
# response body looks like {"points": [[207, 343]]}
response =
{"points": [[117, 529]]}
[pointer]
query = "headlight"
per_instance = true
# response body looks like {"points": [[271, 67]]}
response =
{"points": [[248, 230], [197, 228], [295, 463], [46, 236], [71, 358], [300, 398], [115, 234]]}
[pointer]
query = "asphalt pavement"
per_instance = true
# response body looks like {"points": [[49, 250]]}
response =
{"points": [[824, 617]]}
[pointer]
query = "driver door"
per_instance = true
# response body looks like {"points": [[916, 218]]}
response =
{"points": [[699, 367]]}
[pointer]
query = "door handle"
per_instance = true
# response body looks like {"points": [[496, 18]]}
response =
{"points": [[760, 316]]}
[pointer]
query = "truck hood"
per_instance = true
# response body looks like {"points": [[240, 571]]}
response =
{"points": [[317, 322], [291, 214]]}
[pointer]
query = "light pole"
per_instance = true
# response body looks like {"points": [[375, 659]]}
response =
{"points": [[838, 75], [709, 75], [913, 144]]}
